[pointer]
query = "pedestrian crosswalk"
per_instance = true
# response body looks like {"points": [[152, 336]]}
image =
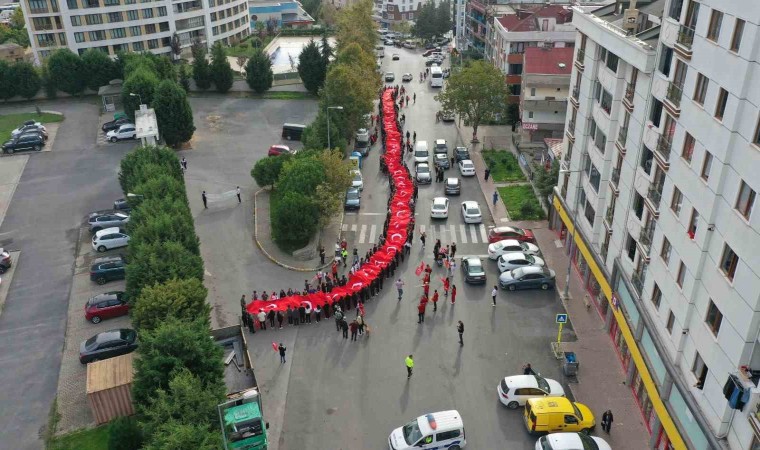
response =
{"points": [[461, 234]]}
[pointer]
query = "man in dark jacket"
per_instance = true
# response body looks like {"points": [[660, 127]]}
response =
{"points": [[607, 421], [460, 330], [282, 350], [302, 313], [270, 316], [344, 327]]}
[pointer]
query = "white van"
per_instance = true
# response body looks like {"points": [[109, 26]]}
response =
{"points": [[380, 51], [436, 76], [438, 430], [421, 153]]}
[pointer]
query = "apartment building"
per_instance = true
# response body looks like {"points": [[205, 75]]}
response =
{"points": [[544, 93], [126, 25], [655, 205], [478, 22], [397, 11]]}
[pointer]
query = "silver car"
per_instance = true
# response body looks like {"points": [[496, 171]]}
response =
{"points": [[108, 218], [423, 174]]}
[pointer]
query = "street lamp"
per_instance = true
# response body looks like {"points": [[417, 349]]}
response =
{"points": [[339, 108], [566, 292]]}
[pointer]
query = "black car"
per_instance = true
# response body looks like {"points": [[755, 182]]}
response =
{"points": [[108, 268], [473, 271], [115, 124], [121, 204], [29, 141], [353, 199], [107, 345], [5, 260], [461, 153]]}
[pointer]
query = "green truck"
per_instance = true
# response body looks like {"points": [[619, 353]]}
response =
{"points": [[243, 421]]}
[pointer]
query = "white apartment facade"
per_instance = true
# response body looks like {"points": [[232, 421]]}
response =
{"points": [[131, 26], [545, 91], [663, 136]]}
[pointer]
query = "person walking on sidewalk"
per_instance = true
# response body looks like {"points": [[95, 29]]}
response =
{"points": [[422, 238], [354, 329], [282, 351], [409, 366], [203, 196], [607, 421], [453, 293], [487, 174], [460, 330], [493, 295], [400, 287], [453, 249], [495, 197], [238, 194], [344, 255], [446, 284], [344, 327]]}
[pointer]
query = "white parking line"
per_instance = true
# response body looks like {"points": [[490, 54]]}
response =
{"points": [[344, 227], [463, 234]]}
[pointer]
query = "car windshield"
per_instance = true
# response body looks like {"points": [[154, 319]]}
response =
{"points": [[475, 267], [467, 165], [473, 211], [439, 206], [423, 169], [412, 432], [517, 273], [128, 335], [588, 442], [421, 153], [357, 177], [352, 195], [530, 259], [578, 413], [524, 246], [246, 429], [545, 444], [542, 384], [90, 343]]}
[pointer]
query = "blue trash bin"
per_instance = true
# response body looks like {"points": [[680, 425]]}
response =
{"points": [[570, 365]]}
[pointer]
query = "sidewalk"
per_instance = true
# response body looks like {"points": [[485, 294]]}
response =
{"points": [[601, 379]]}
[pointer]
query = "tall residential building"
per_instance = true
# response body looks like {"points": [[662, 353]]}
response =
{"points": [[397, 11], [656, 207], [129, 26], [544, 93]]}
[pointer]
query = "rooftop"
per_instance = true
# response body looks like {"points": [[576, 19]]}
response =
{"points": [[650, 16], [548, 61], [526, 19]]}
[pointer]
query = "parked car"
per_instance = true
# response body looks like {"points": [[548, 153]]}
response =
{"points": [[452, 186], [357, 180], [389, 76], [471, 212], [496, 234], [5, 260], [278, 149], [108, 268], [509, 261], [448, 116], [499, 248], [24, 142], [126, 131], [396, 57], [431, 61], [105, 306], [353, 199], [514, 391], [421, 153], [389, 42], [473, 271], [466, 168], [423, 173], [461, 153], [441, 147], [571, 441], [528, 277], [108, 218], [121, 204], [107, 345], [115, 124], [109, 239], [30, 128], [441, 160], [407, 77], [439, 209], [408, 44]]}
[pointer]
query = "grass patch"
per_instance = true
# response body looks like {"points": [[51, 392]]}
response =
{"points": [[89, 439], [504, 166], [248, 46], [9, 122], [521, 203], [286, 95]]}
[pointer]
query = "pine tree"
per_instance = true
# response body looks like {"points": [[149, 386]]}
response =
{"points": [[327, 51], [259, 72], [311, 68], [221, 71], [184, 78], [173, 113], [201, 69]]}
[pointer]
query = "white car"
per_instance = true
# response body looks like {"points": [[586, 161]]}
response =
{"points": [[511, 245], [421, 155], [30, 126], [466, 168], [108, 239], [509, 261], [514, 391], [423, 173], [126, 131], [396, 57], [357, 181], [407, 77], [440, 208], [571, 441], [471, 212]]}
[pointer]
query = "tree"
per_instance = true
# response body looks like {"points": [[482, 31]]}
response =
{"points": [[546, 180], [267, 170], [98, 68], [513, 114], [51, 90], [179, 436], [176, 46], [184, 77], [160, 226], [171, 347], [348, 86], [425, 22], [261, 28], [7, 81], [338, 178], [311, 67], [27, 79], [443, 18], [173, 113], [221, 72], [161, 186], [403, 27], [66, 70], [328, 14], [301, 175], [355, 25], [294, 219], [165, 69], [124, 433], [201, 69], [132, 173], [315, 135], [326, 50], [17, 19], [258, 72], [184, 300], [142, 83], [312, 7], [476, 93], [149, 264]]}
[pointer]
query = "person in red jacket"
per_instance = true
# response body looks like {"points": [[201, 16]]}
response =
{"points": [[435, 300], [453, 293], [421, 311]]}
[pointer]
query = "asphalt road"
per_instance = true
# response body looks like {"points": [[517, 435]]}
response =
{"points": [[337, 394], [55, 192]]}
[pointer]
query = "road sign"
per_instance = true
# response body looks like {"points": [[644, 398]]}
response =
{"points": [[561, 318]]}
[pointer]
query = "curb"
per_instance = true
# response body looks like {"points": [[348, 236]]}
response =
{"points": [[268, 255]]}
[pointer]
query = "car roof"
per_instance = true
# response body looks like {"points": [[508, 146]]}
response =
{"points": [[441, 156], [555, 404], [473, 260], [466, 162], [126, 125], [407, 73], [441, 200], [423, 165], [452, 180], [444, 421], [508, 242], [514, 255], [533, 269], [104, 259], [503, 229], [284, 147], [459, 149], [105, 231], [353, 190], [521, 381], [470, 204], [440, 141]]}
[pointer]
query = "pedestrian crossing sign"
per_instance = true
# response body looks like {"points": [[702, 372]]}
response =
{"points": [[561, 318]]}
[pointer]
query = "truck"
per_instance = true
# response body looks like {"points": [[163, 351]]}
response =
{"points": [[243, 422], [362, 142]]}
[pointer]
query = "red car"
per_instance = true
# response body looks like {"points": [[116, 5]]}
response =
{"points": [[496, 234], [105, 306], [277, 150]]}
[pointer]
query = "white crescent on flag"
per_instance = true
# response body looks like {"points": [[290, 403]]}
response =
{"points": [[271, 306], [308, 306], [356, 286]]}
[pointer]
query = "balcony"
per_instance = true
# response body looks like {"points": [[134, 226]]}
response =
{"points": [[570, 130], [575, 95], [645, 239], [684, 41], [614, 180], [637, 280], [605, 249], [662, 151], [608, 216], [673, 99], [630, 89], [654, 195], [581, 56]]}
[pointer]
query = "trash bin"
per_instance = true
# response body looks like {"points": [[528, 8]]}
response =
{"points": [[570, 366]]}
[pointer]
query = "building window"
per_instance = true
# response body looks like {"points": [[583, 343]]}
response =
{"points": [[532, 92], [161, 11], [713, 30], [693, 222], [99, 35], [728, 262], [714, 318], [745, 201], [110, 2], [600, 140], [720, 107], [530, 114], [656, 296], [610, 59], [135, 31], [79, 37], [677, 201], [606, 101], [756, 139], [76, 20], [132, 15], [666, 58], [688, 148], [700, 371], [671, 321], [150, 28], [665, 250], [153, 44], [655, 115], [630, 247], [681, 274], [147, 13], [701, 89], [117, 33], [62, 38], [115, 17], [706, 166], [138, 46], [638, 205], [72, 4], [646, 159], [736, 39], [589, 213], [93, 19], [594, 177]]}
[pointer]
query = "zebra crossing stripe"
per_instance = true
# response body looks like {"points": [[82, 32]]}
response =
{"points": [[483, 234], [422, 229], [372, 231], [463, 234], [362, 233], [344, 227], [353, 228], [473, 234], [453, 232]]}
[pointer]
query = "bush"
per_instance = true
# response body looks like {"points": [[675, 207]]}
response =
{"points": [[132, 169], [184, 300], [294, 219], [301, 175], [258, 72], [124, 433], [161, 226], [142, 83], [267, 170], [27, 79], [66, 71], [98, 67], [173, 113], [149, 264]]}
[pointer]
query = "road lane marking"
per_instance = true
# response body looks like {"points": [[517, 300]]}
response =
{"points": [[473, 234], [453, 232], [463, 234], [353, 228], [483, 233], [344, 227], [372, 231], [362, 234]]}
